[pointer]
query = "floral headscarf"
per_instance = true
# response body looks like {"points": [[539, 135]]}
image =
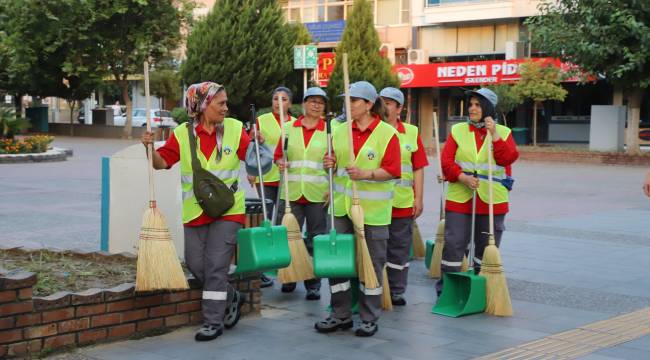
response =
{"points": [[199, 96]]}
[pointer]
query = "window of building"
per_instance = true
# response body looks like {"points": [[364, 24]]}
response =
{"points": [[388, 12], [406, 5], [335, 12]]}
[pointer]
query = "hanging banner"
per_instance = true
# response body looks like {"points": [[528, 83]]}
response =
{"points": [[472, 73], [326, 63]]}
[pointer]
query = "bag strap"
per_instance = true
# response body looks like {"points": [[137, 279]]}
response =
{"points": [[195, 160]]}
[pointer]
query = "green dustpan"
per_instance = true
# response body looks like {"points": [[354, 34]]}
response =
{"points": [[262, 248], [334, 255], [463, 293]]}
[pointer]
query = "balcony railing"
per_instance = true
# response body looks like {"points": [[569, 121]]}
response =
{"points": [[436, 3]]}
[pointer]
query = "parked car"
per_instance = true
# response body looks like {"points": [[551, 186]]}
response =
{"points": [[158, 118]]}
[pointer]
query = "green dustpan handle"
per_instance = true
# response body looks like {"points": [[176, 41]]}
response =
{"points": [[332, 241], [266, 224]]}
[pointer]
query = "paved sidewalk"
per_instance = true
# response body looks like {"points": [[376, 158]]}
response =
{"points": [[575, 251]]}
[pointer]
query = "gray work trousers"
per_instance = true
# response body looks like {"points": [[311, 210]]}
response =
{"points": [[208, 252], [270, 193], [458, 229], [369, 299], [400, 239], [315, 215]]}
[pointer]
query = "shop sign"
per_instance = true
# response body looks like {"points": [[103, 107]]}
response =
{"points": [[326, 62], [474, 73]]}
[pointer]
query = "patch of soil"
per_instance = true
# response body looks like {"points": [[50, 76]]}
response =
{"points": [[66, 271]]}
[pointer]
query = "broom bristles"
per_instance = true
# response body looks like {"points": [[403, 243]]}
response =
{"points": [[158, 266], [436, 257], [496, 287], [464, 266], [418, 245], [386, 302], [365, 268], [301, 267]]}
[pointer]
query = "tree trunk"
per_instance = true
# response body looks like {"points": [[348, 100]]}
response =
{"points": [[534, 123], [71, 105], [124, 86], [634, 103]]}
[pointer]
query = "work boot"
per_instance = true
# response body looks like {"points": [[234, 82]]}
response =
{"points": [[265, 281], [398, 299], [288, 287], [233, 311], [367, 329], [313, 294], [332, 324], [208, 332]]}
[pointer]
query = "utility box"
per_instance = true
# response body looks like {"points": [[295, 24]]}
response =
{"points": [[607, 128], [103, 116], [38, 118]]}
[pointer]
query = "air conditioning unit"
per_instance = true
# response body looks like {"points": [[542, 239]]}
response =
{"points": [[388, 51], [418, 56], [515, 50]]}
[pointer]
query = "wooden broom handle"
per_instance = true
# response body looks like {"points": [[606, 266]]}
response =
{"points": [[285, 172], [439, 154], [348, 115], [150, 149], [488, 140]]}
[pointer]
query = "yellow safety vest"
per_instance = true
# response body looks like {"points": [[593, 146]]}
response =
{"points": [[404, 195], [470, 160], [306, 174], [227, 169], [271, 132], [376, 197]]}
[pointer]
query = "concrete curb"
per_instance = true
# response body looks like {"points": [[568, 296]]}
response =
{"points": [[54, 154]]}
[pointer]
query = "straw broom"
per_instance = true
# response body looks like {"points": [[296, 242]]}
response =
{"points": [[158, 267], [301, 266], [496, 288], [418, 245], [365, 269], [386, 302]]}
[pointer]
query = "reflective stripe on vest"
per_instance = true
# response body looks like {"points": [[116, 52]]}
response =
{"points": [[306, 175], [227, 169], [470, 160], [376, 197], [271, 132], [408, 141]]}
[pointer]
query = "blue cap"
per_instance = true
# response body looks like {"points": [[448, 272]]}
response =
{"points": [[485, 93], [393, 94], [314, 91], [363, 90]]}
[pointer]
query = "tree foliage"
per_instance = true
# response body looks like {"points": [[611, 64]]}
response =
{"points": [[250, 54], [361, 42], [166, 84], [610, 38]]}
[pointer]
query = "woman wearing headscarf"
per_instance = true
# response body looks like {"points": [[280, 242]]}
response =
{"points": [[377, 163], [465, 165], [221, 143]]}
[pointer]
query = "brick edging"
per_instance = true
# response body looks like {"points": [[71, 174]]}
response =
{"points": [[31, 325]]}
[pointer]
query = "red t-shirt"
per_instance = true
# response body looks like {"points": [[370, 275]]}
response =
{"points": [[277, 118], [419, 161], [307, 134], [505, 153], [170, 152]]}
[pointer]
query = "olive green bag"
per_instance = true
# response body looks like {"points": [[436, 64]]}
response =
{"points": [[212, 194]]}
